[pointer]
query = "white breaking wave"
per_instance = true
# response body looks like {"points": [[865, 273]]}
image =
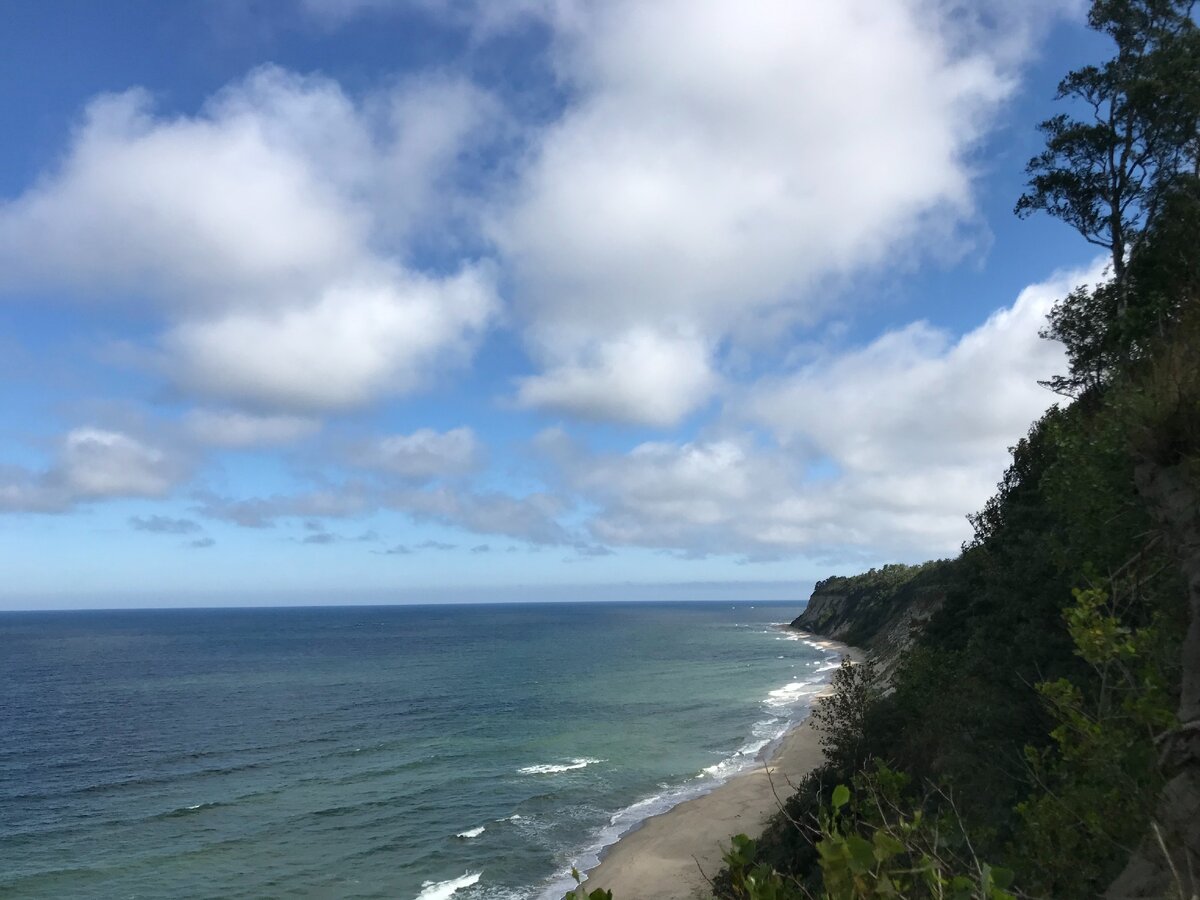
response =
{"points": [[748, 755], [442, 890], [471, 832], [785, 706], [553, 768], [790, 693]]}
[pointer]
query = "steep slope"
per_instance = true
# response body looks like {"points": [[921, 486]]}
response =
{"points": [[880, 611]]}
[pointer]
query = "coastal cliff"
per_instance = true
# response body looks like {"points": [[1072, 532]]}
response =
{"points": [[882, 611]]}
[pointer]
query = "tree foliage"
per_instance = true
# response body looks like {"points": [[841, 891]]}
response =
{"points": [[1123, 173], [1107, 171]]}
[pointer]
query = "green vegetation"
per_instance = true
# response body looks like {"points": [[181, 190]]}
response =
{"points": [[868, 605]]}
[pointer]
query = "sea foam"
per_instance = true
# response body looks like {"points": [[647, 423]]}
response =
{"points": [[792, 692], [442, 890], [471, 832], [555, 768]]}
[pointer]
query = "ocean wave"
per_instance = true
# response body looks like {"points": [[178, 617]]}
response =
{"points": [[785, 707], [442, 890], [188, 810], [472, 832], [749, 753], [554, 768], [793, 692]]}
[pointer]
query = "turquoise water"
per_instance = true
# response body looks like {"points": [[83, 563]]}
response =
{"points": [[398, 752]]}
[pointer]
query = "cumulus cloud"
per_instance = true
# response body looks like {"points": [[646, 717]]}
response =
{"points": [[718, 162], [881, 450], [355, 342], [918, 394], [98, 463], [640, 376], [732, 496], [423, 455], [718, 496], [234, 429], [255, 226], [92, 464]]}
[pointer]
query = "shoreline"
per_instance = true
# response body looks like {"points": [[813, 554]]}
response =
{"points": [[669, 856]]}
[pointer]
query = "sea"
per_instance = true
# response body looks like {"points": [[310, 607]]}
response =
{"points": [[414, 752]]}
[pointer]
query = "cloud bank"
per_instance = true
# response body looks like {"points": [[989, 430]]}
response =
{"points": [[92, 464], [720, 166], [267, 231], [879, 451], [697, 187]]}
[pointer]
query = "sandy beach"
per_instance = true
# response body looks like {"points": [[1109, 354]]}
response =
{"points": [[664, 857]]}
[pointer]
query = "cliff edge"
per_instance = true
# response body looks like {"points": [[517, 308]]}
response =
{"points": [[880, 611]]}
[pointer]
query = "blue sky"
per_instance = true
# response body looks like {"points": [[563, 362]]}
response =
{"points": [[395, 300]]}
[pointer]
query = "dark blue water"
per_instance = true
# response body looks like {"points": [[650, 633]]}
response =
{"points": [[369, 751]]}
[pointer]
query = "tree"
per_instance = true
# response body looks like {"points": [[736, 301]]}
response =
{"points": [[1106, 174], [1117, 174]]}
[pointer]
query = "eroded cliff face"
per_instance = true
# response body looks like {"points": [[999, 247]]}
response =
{"points": [[825, 614], [880, 611]]}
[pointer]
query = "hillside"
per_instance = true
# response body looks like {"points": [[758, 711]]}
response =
{"points": [[881, 611]]}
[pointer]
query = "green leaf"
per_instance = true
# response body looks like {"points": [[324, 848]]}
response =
{"points": [[841, 796], [886, 846], [862, 854]]}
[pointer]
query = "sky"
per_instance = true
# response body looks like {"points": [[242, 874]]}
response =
{"points": [[437, 300]]}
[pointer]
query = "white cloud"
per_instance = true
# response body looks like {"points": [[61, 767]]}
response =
{"points": [[719, 162], [92, 464], [722, 496], [212, 209], [425, 454], [639, 376], [880, 451], [358, 340], [98, 463], [256, 226], [917, 396], [230, 428]]}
